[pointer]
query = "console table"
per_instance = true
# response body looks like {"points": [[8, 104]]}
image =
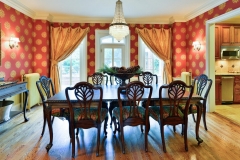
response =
{"points": [[11, 89]]}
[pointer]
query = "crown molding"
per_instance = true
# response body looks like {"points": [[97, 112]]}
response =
{"points": [[19, 7], [148, 20], [204, 9], [141, 20], [78, 19], [44, 16]]}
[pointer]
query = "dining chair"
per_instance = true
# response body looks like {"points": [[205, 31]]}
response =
{"points": [[46, 90], [82, 113], [97, 78], [147, 77], [129, 112], [203, 86], [170, 114]]}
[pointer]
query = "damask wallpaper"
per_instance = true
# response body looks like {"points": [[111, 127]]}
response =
{"points": [[33, 53]]}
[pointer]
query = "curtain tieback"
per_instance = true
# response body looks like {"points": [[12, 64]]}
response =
{"points": [[167, 61], [54, 62]]}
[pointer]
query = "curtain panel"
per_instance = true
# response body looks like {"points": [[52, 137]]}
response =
{"points": [[63, 42], [159, 41]]}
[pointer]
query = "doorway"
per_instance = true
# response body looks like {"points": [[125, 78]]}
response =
{"points": [[210, 61]]}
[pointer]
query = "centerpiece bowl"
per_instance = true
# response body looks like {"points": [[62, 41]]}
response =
{"points": [[122, 73], [124, 77]]}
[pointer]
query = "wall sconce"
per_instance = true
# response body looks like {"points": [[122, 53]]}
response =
{"points": [[196, 45], [13, 42]]}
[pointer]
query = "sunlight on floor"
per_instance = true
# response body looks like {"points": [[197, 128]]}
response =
{"points": [[229, 111]]}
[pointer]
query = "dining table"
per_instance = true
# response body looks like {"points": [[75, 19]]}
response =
{"points": [[109, 95]]}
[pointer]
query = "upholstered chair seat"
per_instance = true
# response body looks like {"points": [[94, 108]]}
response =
{"points": [[93, 114], [128, 113], [155, 110]]}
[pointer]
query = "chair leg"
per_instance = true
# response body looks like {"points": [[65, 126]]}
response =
{"points": [[193, 117], [146, 135], [142, 128], [105, 125], [204, 116], [73, 142], [162, 135], [115, 125], [77, 132], [122, 139], [182, 129], [174, 128], [98, 139], [185, 137], [52, 119], [111, 107], [44, 123]]}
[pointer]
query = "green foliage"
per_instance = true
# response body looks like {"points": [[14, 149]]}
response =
{"points": [[114, 70], [106, 69]]}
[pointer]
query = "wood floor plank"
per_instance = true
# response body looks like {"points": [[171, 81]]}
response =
{"points": [[23, 141]]}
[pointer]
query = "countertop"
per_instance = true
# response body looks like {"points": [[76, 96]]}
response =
{"points": [[227, 74]]}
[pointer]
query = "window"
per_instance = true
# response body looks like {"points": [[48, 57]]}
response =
{"points": [[149, 61], [112, 55], [111, 52], [73, 68]]}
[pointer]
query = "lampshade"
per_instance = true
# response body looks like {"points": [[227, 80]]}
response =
{"points": [[196, 45], [118, 28], [13, 42]]}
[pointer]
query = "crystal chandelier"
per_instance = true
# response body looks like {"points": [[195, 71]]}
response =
{"points": [[118, 28]]}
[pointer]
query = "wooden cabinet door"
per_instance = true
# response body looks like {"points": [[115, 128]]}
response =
{"points": [[236, 95], [230, 35], [226, 40], [217, 42], [218, 90], [236, 30]]}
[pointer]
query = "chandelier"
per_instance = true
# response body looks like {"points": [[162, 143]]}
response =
{"points": [[118, 28]]}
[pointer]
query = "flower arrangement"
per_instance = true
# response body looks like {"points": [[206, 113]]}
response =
{"points": [[115, 70]]}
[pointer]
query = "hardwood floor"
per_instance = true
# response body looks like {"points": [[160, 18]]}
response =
{"points": [[23, 141], [229, 111]]}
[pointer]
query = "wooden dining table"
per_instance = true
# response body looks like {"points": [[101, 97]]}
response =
{"points": [[110, 94]]}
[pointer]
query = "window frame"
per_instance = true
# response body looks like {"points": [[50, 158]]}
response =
{"points": [[102, 33]]}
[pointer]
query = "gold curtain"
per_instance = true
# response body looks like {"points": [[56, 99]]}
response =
{"points": [[63, 42], [159, 41]]}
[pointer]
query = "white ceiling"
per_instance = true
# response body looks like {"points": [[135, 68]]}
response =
{"points": [[102, 11]]}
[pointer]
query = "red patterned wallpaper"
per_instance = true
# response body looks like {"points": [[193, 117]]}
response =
{"points": [[16, 61], [33, 52], [41, 47], [179, 48]]}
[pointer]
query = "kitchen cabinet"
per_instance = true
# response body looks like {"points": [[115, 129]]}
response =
{"points": [[236, 96], [230, 35], [217, 42], [218, 90]]}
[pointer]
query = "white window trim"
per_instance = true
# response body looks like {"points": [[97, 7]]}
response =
{"points": [[83, 64], [141, 56], [103, 33]]}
